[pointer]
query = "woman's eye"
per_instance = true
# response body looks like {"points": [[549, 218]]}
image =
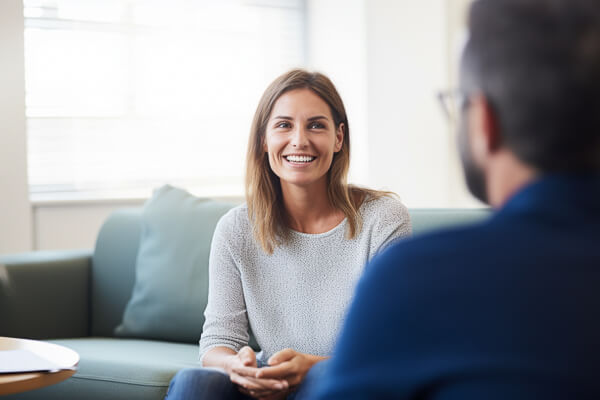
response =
{"points": [[316, 125], [283, 125]]}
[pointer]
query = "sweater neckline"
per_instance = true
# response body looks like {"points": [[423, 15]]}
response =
{"points": [[339, 226], [321, 234]]}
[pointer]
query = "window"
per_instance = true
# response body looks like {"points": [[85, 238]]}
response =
{"points": [[125, 95]]}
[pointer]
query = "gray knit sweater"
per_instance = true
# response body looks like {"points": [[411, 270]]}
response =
{"points": [[296, 297]]}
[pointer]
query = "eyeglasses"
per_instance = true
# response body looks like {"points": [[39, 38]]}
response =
{"points": [[453, 103]]}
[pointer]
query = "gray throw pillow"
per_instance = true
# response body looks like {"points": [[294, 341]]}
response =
{"points": [[171, 283]]}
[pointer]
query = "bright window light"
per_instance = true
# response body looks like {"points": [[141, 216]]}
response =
{"points": [[126, 95]]}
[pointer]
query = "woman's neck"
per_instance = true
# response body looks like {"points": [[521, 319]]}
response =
{"points": [[308, 209]]}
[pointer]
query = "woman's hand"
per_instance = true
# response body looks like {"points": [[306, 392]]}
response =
{"points": [[288, 365], [242, 370]]}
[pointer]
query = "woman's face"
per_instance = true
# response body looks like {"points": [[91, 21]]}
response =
{"points": [[301, 138]]}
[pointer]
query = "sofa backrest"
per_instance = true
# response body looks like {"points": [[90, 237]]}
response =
{"points": [[113, 269], [114, 259], [427, 219]]}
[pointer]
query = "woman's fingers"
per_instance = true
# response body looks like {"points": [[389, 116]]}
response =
{"points": [[245, 382], [243, 374], [281, 356], [247, 356], [246, 371], [254, 391], [276, 372], [256, 394], [250, 372], [257, 384]]}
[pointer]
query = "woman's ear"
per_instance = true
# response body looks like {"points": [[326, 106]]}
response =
{"points": [[339, 137]]}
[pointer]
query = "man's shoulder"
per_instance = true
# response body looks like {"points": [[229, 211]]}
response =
{"points": [[445, 242], [431, 268], [447, 248]]}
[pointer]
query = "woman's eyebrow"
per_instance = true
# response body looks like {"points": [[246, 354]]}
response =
{"points": [[316, 117]]}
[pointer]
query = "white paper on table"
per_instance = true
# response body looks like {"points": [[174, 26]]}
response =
{"points": [[16, 361]]}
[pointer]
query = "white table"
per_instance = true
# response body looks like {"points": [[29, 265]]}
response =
{"points": [[21, 382]]}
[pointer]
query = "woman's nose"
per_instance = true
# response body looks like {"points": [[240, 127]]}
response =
{"points": [[299, 137]]}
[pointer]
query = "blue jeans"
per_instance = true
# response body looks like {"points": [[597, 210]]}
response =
{"points": [[202, 383]]}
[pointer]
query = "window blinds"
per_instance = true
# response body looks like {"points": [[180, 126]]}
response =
{"points": [[124, 95]]}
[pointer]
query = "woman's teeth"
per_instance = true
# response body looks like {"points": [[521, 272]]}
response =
{"points": [[299, 159]]}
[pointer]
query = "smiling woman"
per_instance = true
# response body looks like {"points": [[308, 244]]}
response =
{"points": [[285, 264]]}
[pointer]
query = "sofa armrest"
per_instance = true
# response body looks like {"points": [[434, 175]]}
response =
{"points": [[45, 294]]}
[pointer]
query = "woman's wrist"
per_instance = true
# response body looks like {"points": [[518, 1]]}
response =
{"points": [[220, 357], [229, 362]]}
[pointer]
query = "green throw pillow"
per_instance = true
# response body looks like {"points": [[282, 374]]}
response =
{"points": [[171, 283]]}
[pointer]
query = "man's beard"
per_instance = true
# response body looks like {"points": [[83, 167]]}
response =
{"points": [[474, 175]]}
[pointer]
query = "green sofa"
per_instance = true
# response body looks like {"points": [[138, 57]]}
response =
{"points": [[77, 299]]}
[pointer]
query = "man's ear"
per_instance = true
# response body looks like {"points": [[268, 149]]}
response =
{"points": [[339, 137], [484, 132]]}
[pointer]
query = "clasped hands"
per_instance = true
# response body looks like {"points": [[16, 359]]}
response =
{"points": [[286, 370]]}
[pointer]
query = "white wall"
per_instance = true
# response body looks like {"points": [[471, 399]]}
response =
{"points": [[409, 141], [15, 210], [337, 47], [388, 59], [72, 225]]}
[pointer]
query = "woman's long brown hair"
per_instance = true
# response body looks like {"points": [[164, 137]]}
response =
{"points": [[263, 188]]}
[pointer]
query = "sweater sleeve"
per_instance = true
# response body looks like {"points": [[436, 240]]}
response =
{"points": [[226, 320]]}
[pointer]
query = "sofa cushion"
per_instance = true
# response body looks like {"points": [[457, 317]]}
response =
{"points": [[171, 272], [119, 369]]}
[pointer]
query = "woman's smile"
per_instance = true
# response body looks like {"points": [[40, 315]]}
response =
{"points": [[299, 160]]}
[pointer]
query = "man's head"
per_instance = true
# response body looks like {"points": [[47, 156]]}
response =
{"points": [[534, 67]]}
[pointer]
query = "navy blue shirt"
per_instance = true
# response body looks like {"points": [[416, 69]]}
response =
{"points": [[505, 309]]}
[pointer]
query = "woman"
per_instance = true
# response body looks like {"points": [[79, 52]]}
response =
{"points": [[285, 264]]}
